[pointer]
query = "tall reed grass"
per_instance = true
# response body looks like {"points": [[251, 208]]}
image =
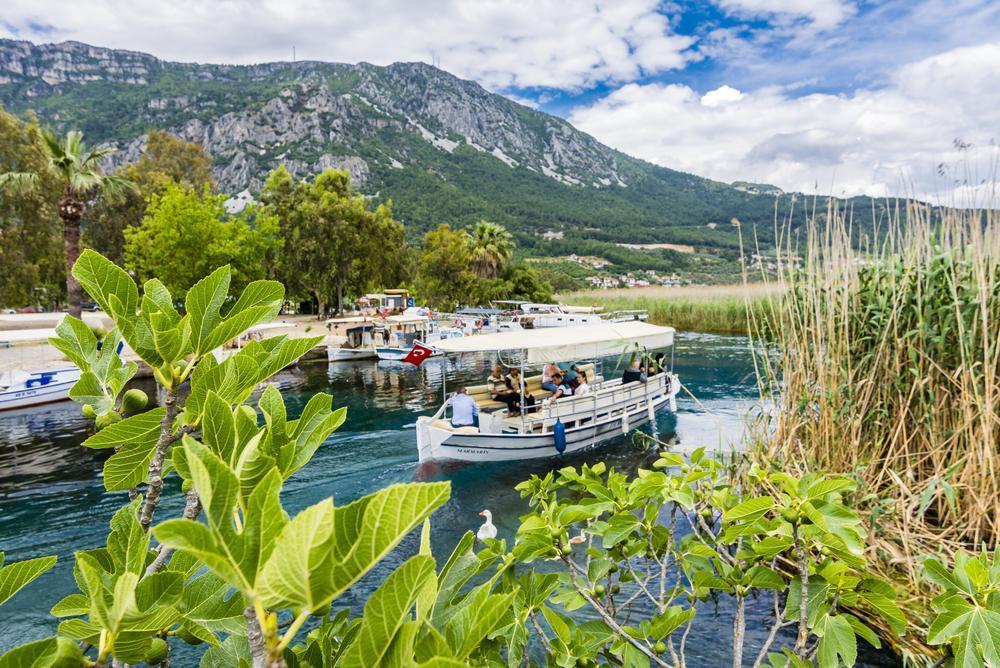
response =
{"points": [[719, 309], [883, 361]]}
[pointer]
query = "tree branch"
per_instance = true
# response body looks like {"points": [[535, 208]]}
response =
{"points": [[155, 487]]}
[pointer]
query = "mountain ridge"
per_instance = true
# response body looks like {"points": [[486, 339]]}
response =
{"points": [[443, 148]]}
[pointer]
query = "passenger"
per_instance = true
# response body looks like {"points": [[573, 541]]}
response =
{"points": [[549, 372], [564, 390], [582, 387], [464, 409], [655, 366], [515, 383], [634, 373], [499, 391]]}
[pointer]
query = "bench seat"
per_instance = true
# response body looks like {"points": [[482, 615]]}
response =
{"points": [[532, 386]]}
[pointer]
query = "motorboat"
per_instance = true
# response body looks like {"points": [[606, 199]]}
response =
{"points": [[359, 339], [402, 332], [20, 389], [609, 409]]}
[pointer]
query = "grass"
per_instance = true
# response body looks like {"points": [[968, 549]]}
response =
{"points": [[720, 309], [885, 365]]}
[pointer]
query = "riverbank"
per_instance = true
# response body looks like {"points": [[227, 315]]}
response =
{"points": [[719, 309]]}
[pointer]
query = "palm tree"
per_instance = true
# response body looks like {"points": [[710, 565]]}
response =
{"points": [[491, 246], [79, 172]]}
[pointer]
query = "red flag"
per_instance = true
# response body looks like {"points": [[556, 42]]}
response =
{"points": [[419, 353]]}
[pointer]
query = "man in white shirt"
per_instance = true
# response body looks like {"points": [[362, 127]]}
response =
{"points": [[464, 410]]}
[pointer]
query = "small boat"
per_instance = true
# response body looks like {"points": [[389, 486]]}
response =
{"points": [[20, 389], [404, 331], [359, 341], [611, 408]]}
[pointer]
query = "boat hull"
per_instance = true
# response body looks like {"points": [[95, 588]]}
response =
{"points": [[397, 354], [350, 354], [39, 388], [436, 443]]}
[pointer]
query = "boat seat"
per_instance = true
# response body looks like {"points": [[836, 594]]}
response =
{"points": [[532, 385], [446, 424]]}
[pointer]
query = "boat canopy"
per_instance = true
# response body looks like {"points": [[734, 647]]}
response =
{"points": [[565, 343], [478, 311]]}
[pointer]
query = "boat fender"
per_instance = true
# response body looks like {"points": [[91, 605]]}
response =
{"points": [[559, 436]]}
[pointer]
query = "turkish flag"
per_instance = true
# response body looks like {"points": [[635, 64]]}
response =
{"points": [[419, 353]]}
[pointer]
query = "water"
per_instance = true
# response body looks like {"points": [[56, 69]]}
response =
{"points": [[52, 500]]}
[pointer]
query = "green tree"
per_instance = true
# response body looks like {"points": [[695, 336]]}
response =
{"points": [[77, 172], [444, 276], [335, 246], [31, 257], [165, 160], [491, 247], [186, 233]]}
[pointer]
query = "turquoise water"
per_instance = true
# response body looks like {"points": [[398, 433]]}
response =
{"points": [[52, 500]]}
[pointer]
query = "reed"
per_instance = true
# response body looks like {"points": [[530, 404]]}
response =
{"points": [[720, 309], [884, 363]]}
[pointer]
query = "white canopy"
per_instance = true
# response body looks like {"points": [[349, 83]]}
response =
{"points": [[560, 344]]}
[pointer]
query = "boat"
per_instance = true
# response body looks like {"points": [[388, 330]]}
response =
{"points": [[479, 320], [403, 332], [359, 344], [610, 409], [20, 389], [541, 316]]}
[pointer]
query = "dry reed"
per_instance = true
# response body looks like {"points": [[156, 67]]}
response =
{"points": [[884, 362]]}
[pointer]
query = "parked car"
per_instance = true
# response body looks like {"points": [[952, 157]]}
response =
{"points": [[8, 311]]}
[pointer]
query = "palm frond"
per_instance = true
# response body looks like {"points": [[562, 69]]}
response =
{"points": [[19, 182], [116, 187], [94, 157]]}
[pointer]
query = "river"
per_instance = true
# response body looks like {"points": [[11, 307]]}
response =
{"points": [[52, 500]]}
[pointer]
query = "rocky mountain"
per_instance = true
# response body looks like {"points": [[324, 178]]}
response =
{"points": [[444, 149]]}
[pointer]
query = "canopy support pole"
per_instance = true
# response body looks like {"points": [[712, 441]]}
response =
{"points": [[520, 388]]}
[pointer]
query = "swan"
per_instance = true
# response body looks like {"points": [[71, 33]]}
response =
{"points": [[488, 530]]}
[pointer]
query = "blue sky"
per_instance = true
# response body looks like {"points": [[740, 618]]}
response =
{"points": [[837, 95]]}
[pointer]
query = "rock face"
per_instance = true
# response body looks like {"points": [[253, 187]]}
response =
{"points": [[306, 115]]}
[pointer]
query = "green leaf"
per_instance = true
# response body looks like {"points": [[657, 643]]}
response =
{"points": [[76, 341], [837, 640], [386, 610], [259, 302], [142, 429], [749, 510], [47, 653], [128, 467], [887, 609], [17, 575], [102, 280], [972, 630], [620, 526], [297, 574], [202, 304]]}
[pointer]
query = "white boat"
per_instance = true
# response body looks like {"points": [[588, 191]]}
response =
{"points": [[359, 343], [610, 409], [404, 331], [20, 389], [542, 316]]}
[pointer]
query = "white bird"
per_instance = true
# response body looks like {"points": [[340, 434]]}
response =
{"points": [[487, 531]]}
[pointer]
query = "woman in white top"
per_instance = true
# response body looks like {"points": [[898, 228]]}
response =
{"points": [[583, 387]]}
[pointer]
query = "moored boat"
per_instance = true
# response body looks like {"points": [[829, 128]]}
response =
{"points": [[611, 407], [20, 389]]}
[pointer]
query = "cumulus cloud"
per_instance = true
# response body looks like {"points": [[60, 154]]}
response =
{"points": [[501, 44], [895, 140]]}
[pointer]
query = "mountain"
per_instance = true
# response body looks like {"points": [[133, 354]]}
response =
{"points": [[444, 149]]}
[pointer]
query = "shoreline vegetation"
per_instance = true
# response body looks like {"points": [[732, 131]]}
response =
{"points": [[884, 363], [715, 309]]}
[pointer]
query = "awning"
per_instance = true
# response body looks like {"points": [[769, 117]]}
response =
{"points": [[557, 344]]}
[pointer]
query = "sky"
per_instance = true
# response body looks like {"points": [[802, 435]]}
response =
{"points": [[887, 97]]}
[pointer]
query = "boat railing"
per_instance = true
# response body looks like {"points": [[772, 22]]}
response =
{"points": [[612, 399], [625, 315]]}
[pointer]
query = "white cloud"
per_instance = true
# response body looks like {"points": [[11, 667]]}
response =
{"points": [[898, 139], [543, 43], [822, 14], [720, 96]]}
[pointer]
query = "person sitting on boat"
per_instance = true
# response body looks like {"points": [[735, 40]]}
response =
{"points": [[464, 409], [582, 386], [655, 365], [634, 373], [515, 383], [563, 388], [497, 387], [549, 372]]}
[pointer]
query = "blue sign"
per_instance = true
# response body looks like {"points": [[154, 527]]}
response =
{"points": [[410, 302]]}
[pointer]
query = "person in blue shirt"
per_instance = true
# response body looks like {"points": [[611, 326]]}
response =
{"points": [[464, 410]]}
